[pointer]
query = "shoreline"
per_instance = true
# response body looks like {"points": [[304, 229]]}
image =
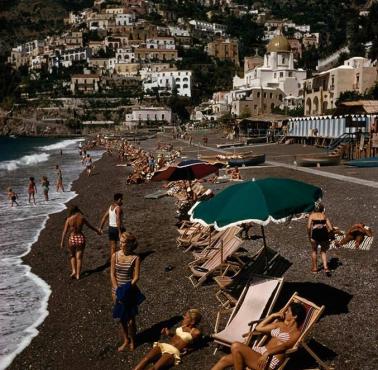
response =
{"points": [[79, 309]]}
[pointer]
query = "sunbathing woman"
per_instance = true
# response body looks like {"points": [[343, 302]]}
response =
{"points": [[284, 330], [318, 229], [357, 233], [168, 354], [76, 240], [125, 268]]}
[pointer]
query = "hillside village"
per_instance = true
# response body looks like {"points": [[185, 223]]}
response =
{"points": [[131, 63]]}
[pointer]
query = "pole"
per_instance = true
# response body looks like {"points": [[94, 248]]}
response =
{"points": [[265, 247]]}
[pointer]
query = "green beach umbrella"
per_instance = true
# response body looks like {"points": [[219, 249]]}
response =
{"points": [[261, 202]]}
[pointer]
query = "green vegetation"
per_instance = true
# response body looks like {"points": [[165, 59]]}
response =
{"points": [[371, 94]]}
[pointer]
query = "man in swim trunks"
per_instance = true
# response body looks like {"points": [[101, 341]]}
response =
{"points": [[114, 214]]}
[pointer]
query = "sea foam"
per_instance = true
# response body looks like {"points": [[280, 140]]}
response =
{"points": [[26, 160]]}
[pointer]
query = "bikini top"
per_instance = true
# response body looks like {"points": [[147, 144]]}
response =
{"points": [[281, 335], [184, 335]]}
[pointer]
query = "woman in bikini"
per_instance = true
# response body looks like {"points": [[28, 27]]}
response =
{"points": [[167, 354], [318, 229], [76, 240], [125, 268], [32, 189], [59, 179], [45, 187], [284, 330]]}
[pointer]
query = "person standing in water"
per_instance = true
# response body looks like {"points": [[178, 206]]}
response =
{"points": [[45, 187], [12, 196], [88, 164], [59, 179], [114, 215], [76, 240], [32, 189]]}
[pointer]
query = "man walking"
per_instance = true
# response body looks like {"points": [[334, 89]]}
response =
{"points": [[114, 215]]}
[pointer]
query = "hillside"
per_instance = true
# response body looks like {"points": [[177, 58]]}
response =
{"points": [[22, 20]]}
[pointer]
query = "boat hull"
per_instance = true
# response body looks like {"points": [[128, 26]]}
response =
{"points": [[366, 162], [318, 161], [244, 162]]}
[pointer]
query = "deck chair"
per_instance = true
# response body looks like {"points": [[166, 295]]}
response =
{"points": [[186, 226], [256, 301], [313, 313], [218, 239], [202, 268], [260, 263], [193, 234]]}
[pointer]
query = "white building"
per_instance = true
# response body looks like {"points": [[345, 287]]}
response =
{"points": [[216, 28], [147, 115], [166, 43], [169, 80], [125, 19], [125, 55], [178, 31], [277, 71]]}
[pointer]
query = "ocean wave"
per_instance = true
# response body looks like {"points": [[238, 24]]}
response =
{"points": [[27, 160], [61, 145]]}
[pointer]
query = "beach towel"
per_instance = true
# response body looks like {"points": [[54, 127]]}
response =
{"points": [[128, 298], [365, 245]]}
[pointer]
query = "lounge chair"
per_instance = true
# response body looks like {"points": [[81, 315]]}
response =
{"points": [[256, 301], [313, 313], [218, 239], [196, 234], [262, 262], [203, 268]]}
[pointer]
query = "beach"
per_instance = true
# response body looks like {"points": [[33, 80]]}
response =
{"points": [[79, 331]]}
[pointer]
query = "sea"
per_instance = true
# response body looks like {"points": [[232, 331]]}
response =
{"points": [[23, 295]]}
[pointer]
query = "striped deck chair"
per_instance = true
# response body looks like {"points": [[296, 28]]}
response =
{"points": [[256, 301], [203, 268], [313, 313], [218, 239]]}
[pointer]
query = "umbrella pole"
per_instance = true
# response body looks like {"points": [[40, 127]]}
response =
{"points": [[265, 246]]}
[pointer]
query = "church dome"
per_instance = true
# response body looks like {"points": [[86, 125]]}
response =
{"points": [[278, 44]]}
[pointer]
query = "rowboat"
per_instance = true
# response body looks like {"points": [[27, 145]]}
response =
{"points": [[319, 160], [247, 161], [365, 162]]}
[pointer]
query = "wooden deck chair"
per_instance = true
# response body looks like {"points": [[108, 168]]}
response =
{"points": [[205, 243], [260, 263], [218, 239], [187, 226], [204, 267], [195, 234], [313, 313], [256, 301]]}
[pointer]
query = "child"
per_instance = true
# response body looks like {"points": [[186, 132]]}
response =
{"points": [[12, 196], [45, 187]]}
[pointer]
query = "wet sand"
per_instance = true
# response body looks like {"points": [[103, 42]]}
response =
{"points": [[80, 333]]}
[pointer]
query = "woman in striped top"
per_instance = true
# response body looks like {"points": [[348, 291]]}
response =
{"points": [[125, 268], [283, 329]]}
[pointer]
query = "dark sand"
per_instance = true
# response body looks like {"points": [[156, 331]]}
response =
{"points": [[79, 332]]}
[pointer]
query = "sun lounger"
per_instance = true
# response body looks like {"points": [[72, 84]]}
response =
{"points": [[196, 234], [262, 262], [157, 194], [256, 301], [313, 313], [203, 268]]}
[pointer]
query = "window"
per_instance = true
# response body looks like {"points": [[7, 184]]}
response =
{"points": [[281, 74], [185, 79], [162, 116], [283, 60], [280, 97], [185, 86], [271, 95], [275, 75], [258, 94], [290, 74]]}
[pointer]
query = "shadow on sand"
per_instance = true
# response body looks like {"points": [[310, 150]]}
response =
{"points": [[101, 268]]}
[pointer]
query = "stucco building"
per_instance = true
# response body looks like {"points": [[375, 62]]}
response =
{"points": [[224, 49]]}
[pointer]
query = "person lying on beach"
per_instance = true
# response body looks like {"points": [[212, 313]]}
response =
{"points": [[357, 232], [164, 355], [283, 329], [76, 240], [125, 269], [32, 189], [12, 196], [45, 187], [234, 174]]}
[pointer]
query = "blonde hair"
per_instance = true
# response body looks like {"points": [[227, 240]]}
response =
{"points": [[195, 315], [129, 239]]}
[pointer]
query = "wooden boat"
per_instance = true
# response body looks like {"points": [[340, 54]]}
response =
{"points": [[364, 162], [319, 160], [247, 161]]}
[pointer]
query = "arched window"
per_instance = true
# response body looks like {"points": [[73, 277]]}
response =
{"points": [[185, 86], [185, 79], [308, 106]]}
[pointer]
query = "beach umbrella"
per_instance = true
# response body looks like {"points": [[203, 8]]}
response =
{"points": [[186, 170], [261, 202]]}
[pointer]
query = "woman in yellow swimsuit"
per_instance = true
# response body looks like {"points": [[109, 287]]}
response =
{"points": [[168, 354]]}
